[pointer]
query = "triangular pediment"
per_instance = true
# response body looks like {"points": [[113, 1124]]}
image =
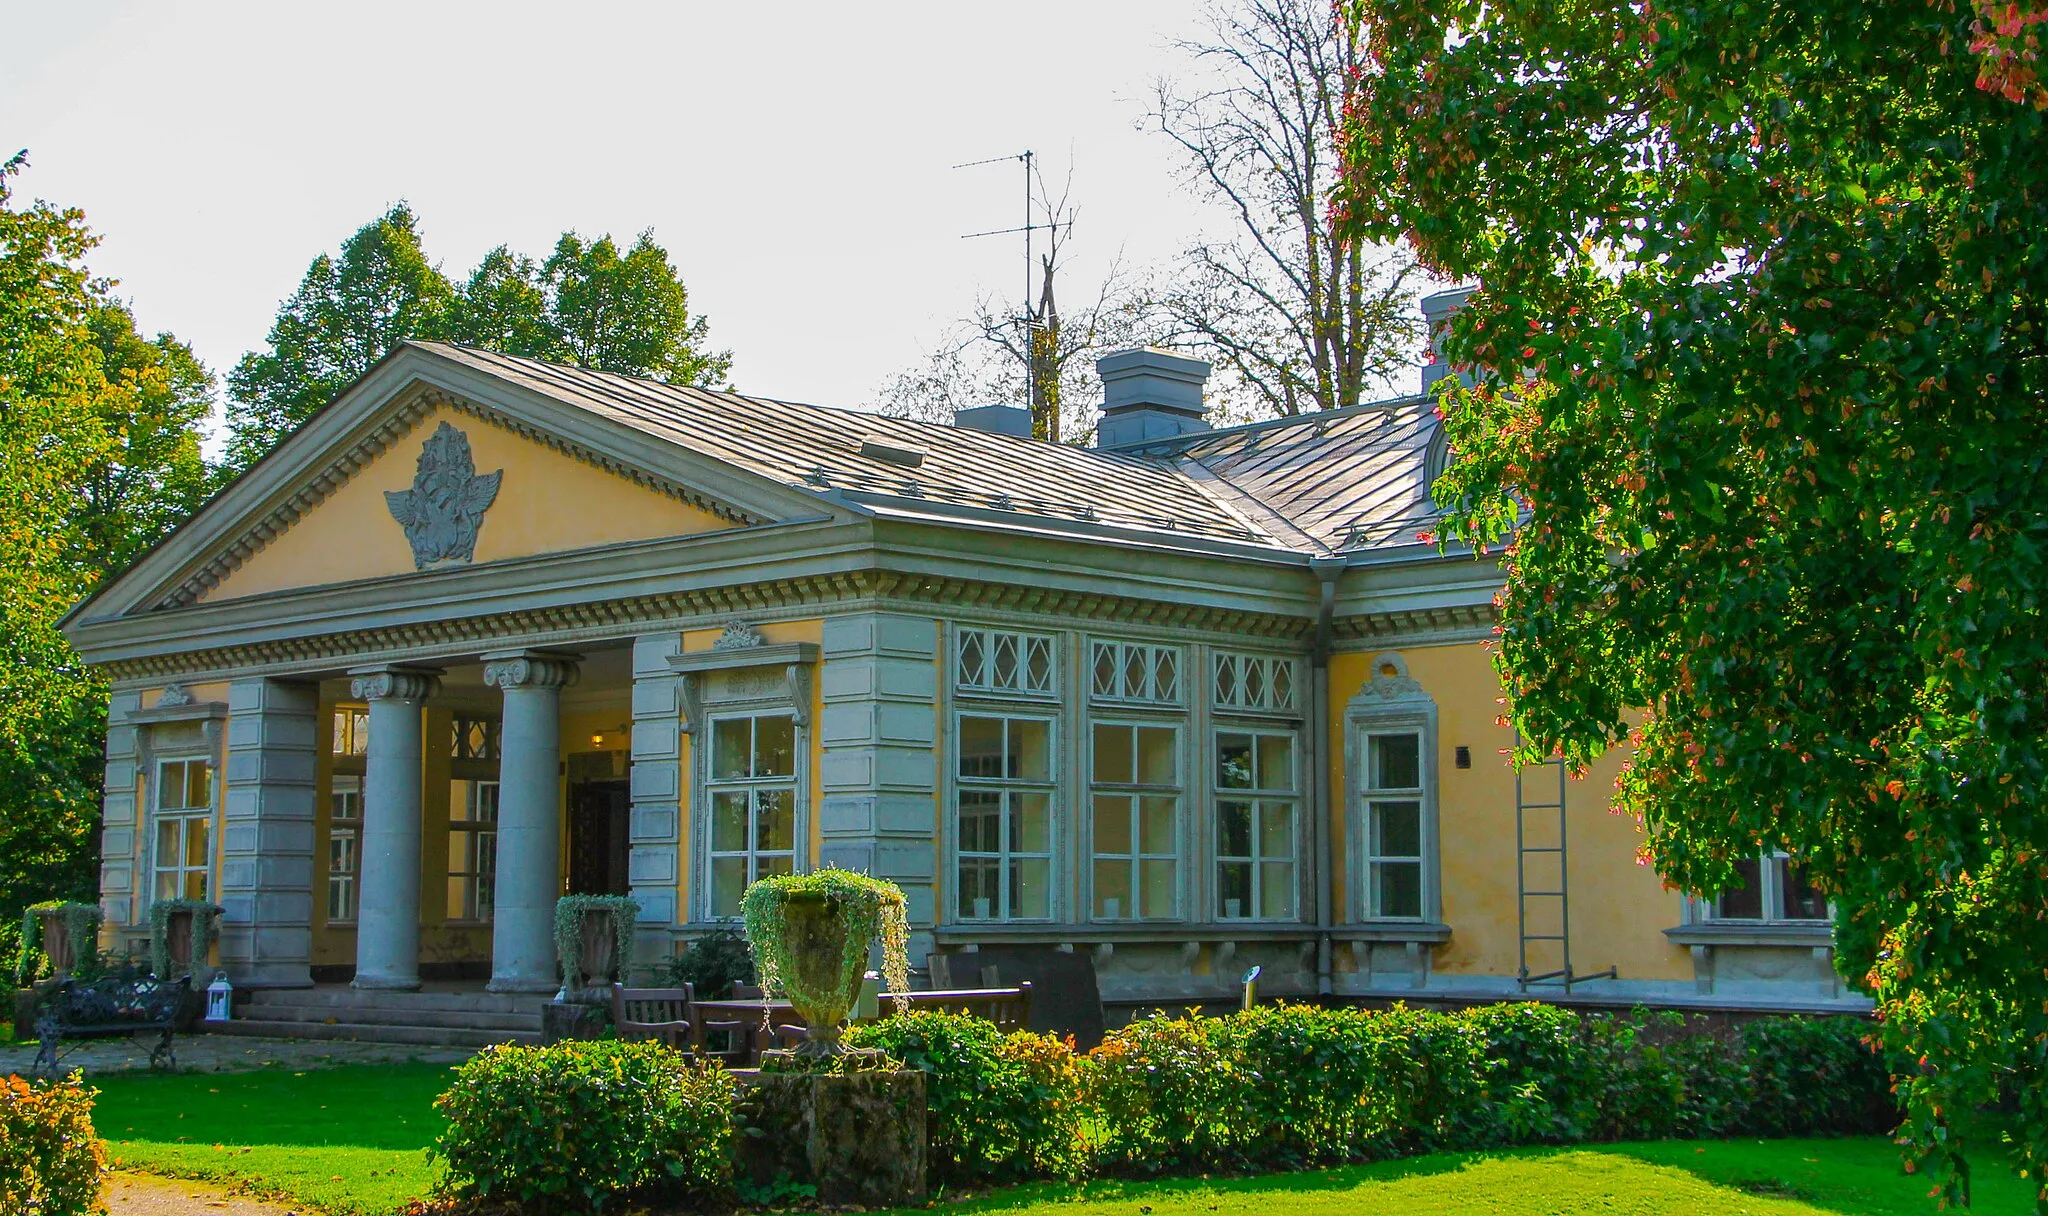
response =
{"points": [[427, 464]]}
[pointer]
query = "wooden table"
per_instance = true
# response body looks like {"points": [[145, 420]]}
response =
{"points": [[749, 1013]]}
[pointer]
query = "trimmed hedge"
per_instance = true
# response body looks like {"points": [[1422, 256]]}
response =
{"points": [[574, 1126], [50, 1159], [1285, 1086], [1281, 1086]]}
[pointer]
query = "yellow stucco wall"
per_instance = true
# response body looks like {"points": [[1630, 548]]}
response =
{"points": [[547, 503], [1619, 908]]}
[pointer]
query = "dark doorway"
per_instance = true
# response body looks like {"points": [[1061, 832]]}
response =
{"points": [[599, 826]]}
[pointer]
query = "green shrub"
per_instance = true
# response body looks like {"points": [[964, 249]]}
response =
{"points": [[1816, 1077], [1166, 1093], [1540, 1082], [712, 964], [571, 1127], [1001, 1107], [50, 1159]]}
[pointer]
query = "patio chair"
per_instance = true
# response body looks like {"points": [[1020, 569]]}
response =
{"points": [[653, 1013]]}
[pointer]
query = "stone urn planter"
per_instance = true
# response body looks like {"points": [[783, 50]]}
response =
{"points": [[68, 934], [594, 940], [810, 935], [181, 936]]}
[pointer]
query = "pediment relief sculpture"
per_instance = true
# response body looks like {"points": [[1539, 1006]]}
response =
{"points": [[446, 505]]}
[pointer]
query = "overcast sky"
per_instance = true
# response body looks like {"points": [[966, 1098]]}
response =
{"points": [[793, 158]]}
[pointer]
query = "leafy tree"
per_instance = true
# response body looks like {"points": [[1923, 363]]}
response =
{"points": [[349, 311], [588, 304], [1295, 311], [628, 313], [155, 405], [52, 435], [1760, 407]]}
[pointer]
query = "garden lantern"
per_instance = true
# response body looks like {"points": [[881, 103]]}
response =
{"points": [[219, 998]]}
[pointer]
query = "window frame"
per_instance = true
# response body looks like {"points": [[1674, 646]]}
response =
{"points": [[1390, 702], [713, 785], [1267, 663], [1119, 651], [1771, 897], [468, 825], [1006, 856], [1219, 794], [987, 637], [1136, 791], [340, 827], [1371, 796], [184, 815]]}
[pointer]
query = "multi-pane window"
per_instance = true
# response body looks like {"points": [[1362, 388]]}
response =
{"points": [[1257, 800], [351, 730], [1393, 828], [1772, 888], [472, 849], [752, 790], [1133, 671], [1135, 781], [1255, 683], [1002, 661], [1004, 818], [184, 828], [344, 845]]}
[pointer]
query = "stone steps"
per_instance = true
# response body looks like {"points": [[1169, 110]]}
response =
{"points": [[417, 1036], [447, 1019], [385, 1015]]}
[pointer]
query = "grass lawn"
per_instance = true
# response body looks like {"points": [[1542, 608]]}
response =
{"points": [[348, 1140], [352, 1141], [1859, 1177]]}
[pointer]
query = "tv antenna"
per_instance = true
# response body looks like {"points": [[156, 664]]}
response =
{"points": [[1029, 159]]}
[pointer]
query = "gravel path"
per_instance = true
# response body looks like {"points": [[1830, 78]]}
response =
{"points": [[145, 1195], [229, 1053]]}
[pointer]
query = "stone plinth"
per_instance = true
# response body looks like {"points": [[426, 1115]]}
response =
{"points": [[859, 1138], [560, 1020]]}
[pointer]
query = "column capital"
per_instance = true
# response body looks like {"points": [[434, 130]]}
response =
{"points": [[531, 668], [394, 682]]}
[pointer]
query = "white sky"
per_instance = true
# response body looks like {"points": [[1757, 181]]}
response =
{"points": [[793, 158]]}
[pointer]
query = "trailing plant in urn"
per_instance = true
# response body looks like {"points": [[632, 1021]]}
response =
{"points": [[810, 935]]}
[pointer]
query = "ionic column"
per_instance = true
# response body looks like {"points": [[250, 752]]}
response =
{"points": [[388, 922], [529, 817]]}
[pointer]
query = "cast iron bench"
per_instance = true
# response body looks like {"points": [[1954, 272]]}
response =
{"points": [[117, 1005]]}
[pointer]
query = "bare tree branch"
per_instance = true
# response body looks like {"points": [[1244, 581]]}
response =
{"points": [[1299, 317]]}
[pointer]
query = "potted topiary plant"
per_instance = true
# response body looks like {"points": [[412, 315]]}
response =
{"points": [[810, 935], [594, 940]]}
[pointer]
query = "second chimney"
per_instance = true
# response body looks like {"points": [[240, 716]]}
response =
{"points": [[1148, 394]]}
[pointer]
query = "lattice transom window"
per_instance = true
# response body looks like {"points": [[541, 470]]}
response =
{"points": [[1002, 661], [1133, 671], [1256, 683], [351, 730], [474, 739]]}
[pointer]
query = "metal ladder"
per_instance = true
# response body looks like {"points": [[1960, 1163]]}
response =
{"points": [[1563, 973]]}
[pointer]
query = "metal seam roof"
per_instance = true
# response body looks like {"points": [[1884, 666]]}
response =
{"points": [[1313, 484]]}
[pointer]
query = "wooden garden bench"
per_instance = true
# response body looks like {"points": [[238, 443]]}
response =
{"points": [[1008, 1008], [116, 1006]]}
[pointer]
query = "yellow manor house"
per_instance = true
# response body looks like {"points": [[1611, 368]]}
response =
{"points": [[488, 631]]}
